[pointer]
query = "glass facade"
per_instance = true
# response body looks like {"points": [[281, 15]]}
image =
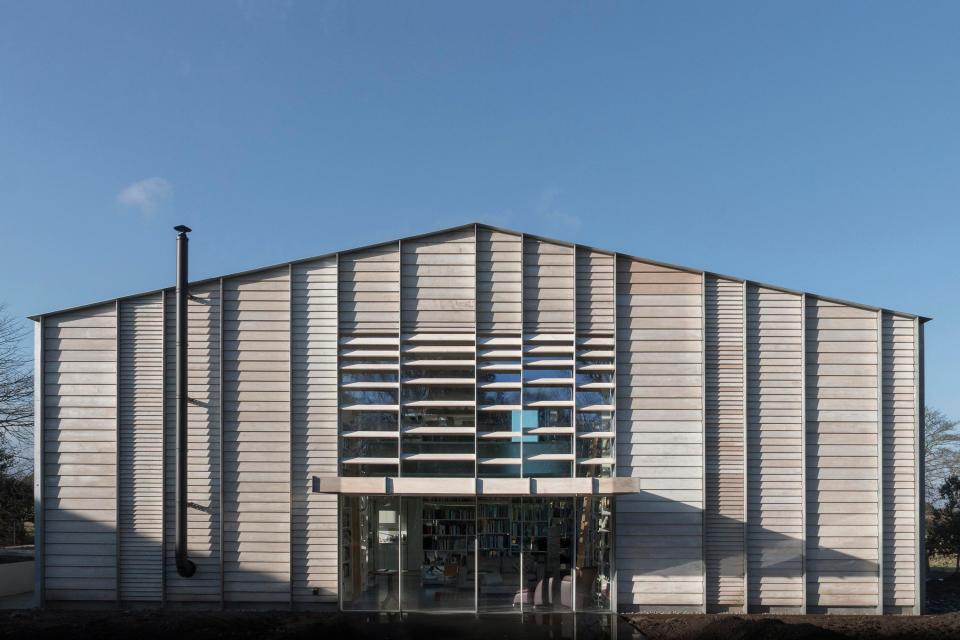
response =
{"points": [[489, 359], [449, 553], [475, 405]]}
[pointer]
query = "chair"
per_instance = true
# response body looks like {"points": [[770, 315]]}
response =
{"points": [[585, 579]]}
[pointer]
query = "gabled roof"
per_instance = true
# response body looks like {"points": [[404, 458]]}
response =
{"points": [[480, 225]]}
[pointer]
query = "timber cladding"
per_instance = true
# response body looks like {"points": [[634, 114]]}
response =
{"points": [[774, 433]]}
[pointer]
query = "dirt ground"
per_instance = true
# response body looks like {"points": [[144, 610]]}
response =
{"points": [[734, 627], [183, 625], [272, 625], [943, 595]]}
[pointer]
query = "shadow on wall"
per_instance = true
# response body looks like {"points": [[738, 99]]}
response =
{"points": [[657, 539], [80, 563]]}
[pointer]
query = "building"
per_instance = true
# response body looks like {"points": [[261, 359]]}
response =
{"points": [[479, 419]]}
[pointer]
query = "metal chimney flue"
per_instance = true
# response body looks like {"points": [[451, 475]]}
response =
{"points": [[185, 567]]}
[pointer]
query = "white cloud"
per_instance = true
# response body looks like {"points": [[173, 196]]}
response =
{"points": [[146, 195]]}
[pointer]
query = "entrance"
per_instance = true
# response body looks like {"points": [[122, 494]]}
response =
{"points": [[476, 554]]}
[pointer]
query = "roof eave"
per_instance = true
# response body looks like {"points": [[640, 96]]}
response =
{"points": [[481, 225]]}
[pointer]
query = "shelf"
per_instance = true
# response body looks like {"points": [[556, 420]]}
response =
{"points": [[596, 461], [548, 349], [370, 385], [447, 382], [548, 403], [497, 366], [361, 460], [499, 407], [548, 431], [370, 434], [358, 340], [446, 364], [485, 386], [549, 337], [549, 382], [367, 353], [596, 341], [438, 337], [596, 354], [363, 366], [497, 341], [369, 407], [549, 457], [441, 457], [499, 461], [499, 354], [596, 367], [440, 403], [594, 408], [548, 364], [439, 431], [431, 349]]}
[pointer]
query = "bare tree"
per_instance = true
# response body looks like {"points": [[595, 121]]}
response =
{"points": [[16, 391], [941, 456]]}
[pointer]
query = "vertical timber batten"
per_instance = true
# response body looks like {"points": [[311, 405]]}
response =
{"points": [[476, 426], [220, 443], [615, 472], [803, 453], [339, 445], [39, 475], [703, 439], [920, 453], [116, 435], [163, 447], [881, 585], [746, 449], [290, 456]]}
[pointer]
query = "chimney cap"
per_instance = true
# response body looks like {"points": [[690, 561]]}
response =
{"points": [[182, 228]]}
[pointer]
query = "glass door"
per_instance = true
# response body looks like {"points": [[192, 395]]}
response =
{"points": [[439, 563], [448, 553], [548, 548], [499, 535], [369, 553]]}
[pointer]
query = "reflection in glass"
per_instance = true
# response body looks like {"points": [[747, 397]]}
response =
{"points": [[548, 553], [595, 448], [590, 377], [485, 377], [438, 417], [498, 560], [438, 553], [551, 417], [368, 448], [368, 396], [369, 554], [368, 421], [595, 397], [498, 397], [457, 553], [594, 421], [594, 570], [544, 374], [547, 394], [434, 393], [349, 377], [413, 373]]}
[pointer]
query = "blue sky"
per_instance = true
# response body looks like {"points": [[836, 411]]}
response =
{"points": [[814, 145]]}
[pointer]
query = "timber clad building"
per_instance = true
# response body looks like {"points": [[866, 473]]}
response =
{"points": [[482, 420]]}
